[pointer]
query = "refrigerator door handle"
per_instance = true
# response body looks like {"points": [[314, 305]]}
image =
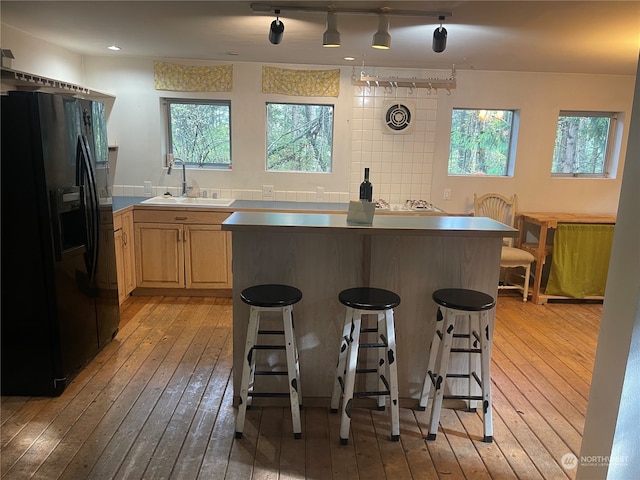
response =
{"points": [[86, 178]]}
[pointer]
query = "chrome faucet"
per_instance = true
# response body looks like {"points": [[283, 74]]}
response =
{"points": [[184, 174]]}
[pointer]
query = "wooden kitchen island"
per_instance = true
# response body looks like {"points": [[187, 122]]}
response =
{"points": [[321, 255]]}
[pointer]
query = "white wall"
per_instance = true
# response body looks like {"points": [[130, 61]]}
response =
{"points": [[418, 162]]}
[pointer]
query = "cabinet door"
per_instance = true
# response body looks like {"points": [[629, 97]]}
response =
{"points": [[159, 255], [128, 261], [207, 256]]}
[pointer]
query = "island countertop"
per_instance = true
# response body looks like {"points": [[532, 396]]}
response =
{"points": [[321, 254], [383, 224]]}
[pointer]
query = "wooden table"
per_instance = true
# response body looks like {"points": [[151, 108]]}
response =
{"points": [[321, 255], [546, 221]]}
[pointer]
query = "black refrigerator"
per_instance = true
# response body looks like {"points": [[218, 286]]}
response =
{"points": [[59, 301]]}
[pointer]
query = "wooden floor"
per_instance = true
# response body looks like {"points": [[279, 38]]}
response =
{"points": [[157, 403]]}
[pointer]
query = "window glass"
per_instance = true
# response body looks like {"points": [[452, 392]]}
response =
{"points": [[582, 144], [481, 142], [199, 132], [299, 137]]}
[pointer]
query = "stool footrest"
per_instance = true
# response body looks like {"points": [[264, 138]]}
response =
{"points": [[270, 332], [268, 394], [269, 347], [466, 350], [366, 370], [371, 394], [463, 397], [373, 345], [271, 372]]}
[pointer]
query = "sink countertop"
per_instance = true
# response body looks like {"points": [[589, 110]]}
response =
{"points": [[120, 203]]}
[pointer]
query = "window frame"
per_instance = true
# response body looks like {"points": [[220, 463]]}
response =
{"points": [[333, 136], [608, 163], [511, 152], [166, 104]]}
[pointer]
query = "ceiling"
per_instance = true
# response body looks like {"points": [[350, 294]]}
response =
{"points": [[600, 37]]}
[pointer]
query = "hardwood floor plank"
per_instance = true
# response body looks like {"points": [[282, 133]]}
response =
{"points": [[293, 457], [157, 403], [218, 439], [414, 445], [503, 368], [444, 459], [392, 453], [463, 444], [343, 464], [116, 399], [493, 458], [366, 443], [530, 443], [318, 461]]}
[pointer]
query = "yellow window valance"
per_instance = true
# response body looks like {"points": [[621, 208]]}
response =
{"points": [[190, 78], [307, 83]]}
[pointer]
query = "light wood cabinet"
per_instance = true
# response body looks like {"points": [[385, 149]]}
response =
{"points": [[125, 253], [182, 249]]}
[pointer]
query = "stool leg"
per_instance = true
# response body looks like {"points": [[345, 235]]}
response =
{"points": [[297, 357], [292, 370], [342, 361], [392, 370], [350, 377], [442, 365], [247, 369], [486, 336], [382, 352], [433, 352], [474, 329]]}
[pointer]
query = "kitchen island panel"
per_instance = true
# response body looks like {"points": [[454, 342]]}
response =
{"points": [[320, 266], [416, 266], [322, 261]]}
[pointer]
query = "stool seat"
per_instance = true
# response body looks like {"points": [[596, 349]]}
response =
{"points": [[365, 298], [271, 295], [463, 299]]}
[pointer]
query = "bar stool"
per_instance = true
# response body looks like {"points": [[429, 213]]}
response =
{"points": [[453, 302], [359, 302], [269, 298]]}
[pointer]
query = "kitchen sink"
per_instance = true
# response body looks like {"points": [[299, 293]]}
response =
{"points": [[189, 201]]}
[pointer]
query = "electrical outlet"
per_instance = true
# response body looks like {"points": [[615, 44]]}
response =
{"points": [[147, 188], [267, 192], [319, 193], [446, 195]]}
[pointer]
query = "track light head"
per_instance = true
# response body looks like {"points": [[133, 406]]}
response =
{"points": [[331, 37], [277, 30], [382, 39], [439, 38]]}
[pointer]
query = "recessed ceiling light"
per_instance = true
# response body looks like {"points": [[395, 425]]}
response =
{"points": [[114, 47], [349, 59]]}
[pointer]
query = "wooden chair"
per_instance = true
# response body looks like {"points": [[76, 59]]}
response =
{"points": [[504, 210]]}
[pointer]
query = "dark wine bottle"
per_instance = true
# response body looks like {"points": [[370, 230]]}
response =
{"points": [[366, 188]]}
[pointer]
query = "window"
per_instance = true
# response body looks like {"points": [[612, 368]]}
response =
{"points": [[199, 132], [481, 142], [299, 137], [583, 144]]}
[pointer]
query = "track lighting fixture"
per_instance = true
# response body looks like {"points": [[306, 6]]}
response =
{"points": [[331, 37], [382, 39], [440, 37], [277, 30]]}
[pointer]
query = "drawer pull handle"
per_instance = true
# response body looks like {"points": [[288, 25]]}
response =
{"points": [[181, 218]]}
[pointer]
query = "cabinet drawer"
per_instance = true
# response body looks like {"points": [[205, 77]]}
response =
{"points": [[178, 216]]}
